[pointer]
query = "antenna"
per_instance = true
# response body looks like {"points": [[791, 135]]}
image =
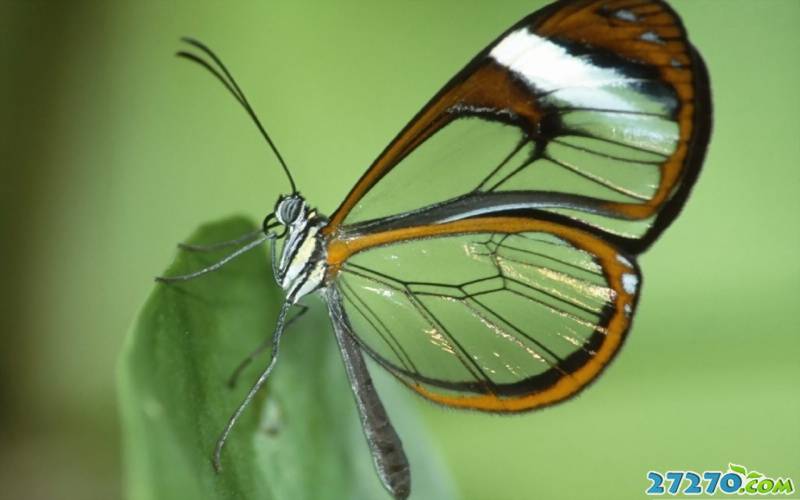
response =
{"points": [[229, 82]]}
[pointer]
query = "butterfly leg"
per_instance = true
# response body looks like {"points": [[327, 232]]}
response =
{"points": [[384, 443], [221, 244], [263, 347], [280, 326], [216, 265]]}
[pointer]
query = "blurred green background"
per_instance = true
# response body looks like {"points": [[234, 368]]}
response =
{"points": [[113, 150]]}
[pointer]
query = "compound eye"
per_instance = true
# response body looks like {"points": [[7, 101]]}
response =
{"points": [[290, 210]]}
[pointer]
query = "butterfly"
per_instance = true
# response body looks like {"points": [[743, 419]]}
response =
{"points": [[487, 258]]}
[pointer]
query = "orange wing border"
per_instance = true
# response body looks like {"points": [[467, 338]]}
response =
{"points": [[484, 83], [556, 384]]}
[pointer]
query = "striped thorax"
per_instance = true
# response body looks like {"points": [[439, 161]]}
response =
{"points": [[302, 265]]}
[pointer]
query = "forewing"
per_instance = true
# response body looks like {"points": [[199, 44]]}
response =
{"points": [[597, 111], [496, 314]]}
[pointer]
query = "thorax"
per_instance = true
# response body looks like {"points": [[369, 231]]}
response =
{"points": [[302, 265]]}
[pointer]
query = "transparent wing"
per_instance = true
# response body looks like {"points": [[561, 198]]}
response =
{"points": [[595, 111], [497, 314]]}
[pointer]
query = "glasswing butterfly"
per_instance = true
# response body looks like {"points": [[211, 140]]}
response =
{"points": [[487, 258]]}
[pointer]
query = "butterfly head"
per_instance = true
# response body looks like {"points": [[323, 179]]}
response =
{"points": [[289, 210]]}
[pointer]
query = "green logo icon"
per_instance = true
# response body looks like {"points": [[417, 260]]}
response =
{"points": [[756, 483], [737, 480]]}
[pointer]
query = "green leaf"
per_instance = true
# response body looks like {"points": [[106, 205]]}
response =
{"points": [[300, 439], [740, 469]]}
